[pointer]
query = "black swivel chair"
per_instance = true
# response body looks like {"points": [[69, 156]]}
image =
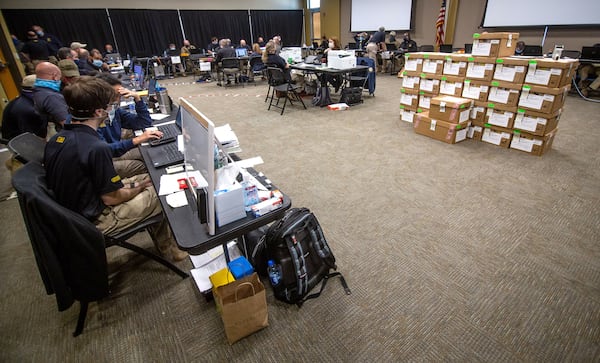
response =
{"points": [[70, 251], [230, 68], [257, 67], [446, 48], [280, 87], [27, 147], [426, 48]]}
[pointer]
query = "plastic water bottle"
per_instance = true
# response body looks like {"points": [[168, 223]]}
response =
{"points": [[274, 271]]}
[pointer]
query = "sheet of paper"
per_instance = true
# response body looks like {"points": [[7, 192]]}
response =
{"points": [[158, 116], [169, 183], [249, 163], [177, 199]]}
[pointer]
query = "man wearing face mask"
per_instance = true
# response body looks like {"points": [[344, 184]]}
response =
{"points": [[408, 44], [171, 52], [49, 102], [80, 172], [53, 42], [127, 158], [213, 46]]}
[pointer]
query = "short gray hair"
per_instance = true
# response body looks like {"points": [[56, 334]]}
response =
{"points": [[381, 29]]}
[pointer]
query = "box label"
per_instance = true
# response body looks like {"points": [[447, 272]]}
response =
{"points": [[540, 76], [498, 95], [453, 68], [464, 115], [410, 82], [407, 99], [412, 64], [432, 125], [521, 143], [491, 137], [475, 71], [481, 48], [407, 116], [449, 88], [504, 73], [531, 100], [430, 66], [425, 101], [475, 111], [461, 134], [428, 84], [500, 119]]}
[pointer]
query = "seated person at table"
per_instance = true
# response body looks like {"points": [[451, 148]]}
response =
{"points": [[408, 44], [127, 159], [245, 45], [186, 51], [170, 52], [589, 70], [224, 51], [520, 47], [333, 43], [272, 59], [80, 171], [261, 42], [257, 66], [213, 46]]}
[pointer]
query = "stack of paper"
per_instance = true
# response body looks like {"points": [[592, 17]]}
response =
{"points": [[210, 262], [227, 138]]}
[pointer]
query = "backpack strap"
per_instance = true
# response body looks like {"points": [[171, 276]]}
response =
{"points": [[323, 283]]}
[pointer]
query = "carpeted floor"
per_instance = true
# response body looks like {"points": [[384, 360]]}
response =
{"points": [[464, 252]]}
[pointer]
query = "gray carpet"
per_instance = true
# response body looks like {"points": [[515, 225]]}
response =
{"points": [[464, 252]]}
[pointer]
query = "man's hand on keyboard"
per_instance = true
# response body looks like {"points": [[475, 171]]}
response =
{"points": [[148, 135]]}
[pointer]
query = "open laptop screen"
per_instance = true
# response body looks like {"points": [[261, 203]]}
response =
{"points": [[241, 52]]}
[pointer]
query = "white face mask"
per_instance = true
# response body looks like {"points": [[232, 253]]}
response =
{"points": [[331, 45], [111, 115]]}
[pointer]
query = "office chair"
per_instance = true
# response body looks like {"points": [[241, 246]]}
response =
{"points": [[69, 250], [280, 87], [230, 67], [27, 147], [468, 48], [426, 48]]}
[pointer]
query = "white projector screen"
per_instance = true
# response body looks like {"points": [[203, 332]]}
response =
{"points": [[515, 13], [370, 15]]}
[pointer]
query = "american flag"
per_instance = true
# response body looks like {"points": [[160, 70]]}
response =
{"points": [[439, 24]]}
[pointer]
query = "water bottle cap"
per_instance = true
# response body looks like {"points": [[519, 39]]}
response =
{"points": [[271, 263]]}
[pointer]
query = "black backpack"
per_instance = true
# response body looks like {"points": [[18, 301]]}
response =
{"points": [[297, 244]]}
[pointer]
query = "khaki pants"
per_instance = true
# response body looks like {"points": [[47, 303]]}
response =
{"points": [[117, 218], [129, 164]]}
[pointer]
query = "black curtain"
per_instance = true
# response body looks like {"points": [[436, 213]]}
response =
{"points": [[286, 23], [145, 33], [88, 26], [201, 25]]}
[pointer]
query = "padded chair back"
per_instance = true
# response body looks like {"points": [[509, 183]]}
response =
{"points": [[27, 147], [426, 48], [230, 63], [275, 76], [69, 249], [256, 64], [365, 61]]}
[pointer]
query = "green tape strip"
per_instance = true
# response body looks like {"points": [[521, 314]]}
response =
{"points": [[476, 35], [471, 59], [491, 105], [458, 127], [520, 110], [499, 60], [532, 62], [425, 55], [487, 125], [526, 87], [516, 132], [495, 83]]}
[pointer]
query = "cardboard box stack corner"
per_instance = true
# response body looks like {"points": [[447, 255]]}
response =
{"points": [[487, 95]]}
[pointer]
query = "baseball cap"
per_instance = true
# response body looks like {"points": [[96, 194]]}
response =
{"points": [[68, 68], [76, 45], [28, 81]]}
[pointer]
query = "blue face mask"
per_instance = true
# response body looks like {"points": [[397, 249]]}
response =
{"points": [[48, 83], [97, 63]]}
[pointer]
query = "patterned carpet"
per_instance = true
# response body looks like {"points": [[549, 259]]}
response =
{"points": [[464, 252]]}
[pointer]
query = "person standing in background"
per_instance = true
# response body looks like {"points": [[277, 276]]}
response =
{"points": [[376, 43]]}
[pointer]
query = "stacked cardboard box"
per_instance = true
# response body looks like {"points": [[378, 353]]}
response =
{"points": [[514, 102], [447, 119]]}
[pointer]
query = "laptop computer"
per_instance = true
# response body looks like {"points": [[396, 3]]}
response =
{"points": [[196, 51], [241, 52], [167, 153], [590, 53], [533, 50], [170, 132], [111, 58]]}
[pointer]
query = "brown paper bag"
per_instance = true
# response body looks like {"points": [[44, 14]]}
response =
{"points": [[244, 307]]}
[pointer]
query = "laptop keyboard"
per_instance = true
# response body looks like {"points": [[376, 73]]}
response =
{"points": [[169, 130], [169, 154]]}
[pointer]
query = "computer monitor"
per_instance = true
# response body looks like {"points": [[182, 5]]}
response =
{"points": [[533, 50], [446, 48], [198, 150], [112, 58], [241, 52]]}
